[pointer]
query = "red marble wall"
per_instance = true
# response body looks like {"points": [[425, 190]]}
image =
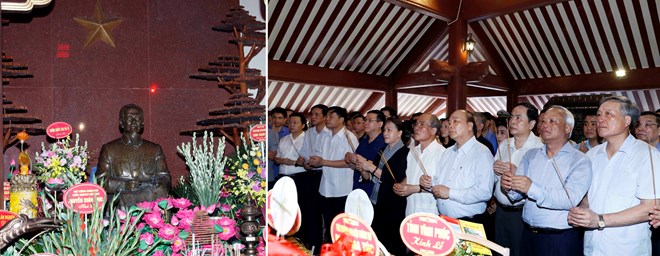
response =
{"points": [[158, 42]]}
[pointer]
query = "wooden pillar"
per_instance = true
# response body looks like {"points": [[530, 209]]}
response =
{"points": [[511, 99], [391, 98], [457, 88]]}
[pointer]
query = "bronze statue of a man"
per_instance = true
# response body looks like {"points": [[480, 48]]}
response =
{"points": [[133, 167]]}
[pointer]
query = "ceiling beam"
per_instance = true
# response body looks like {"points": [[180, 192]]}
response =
{"points": [[306, 74], [423, 47], [637, 79], [439, 9], [474, 10], [425, 79], [490, 53], [441, 91], [371, 102]]}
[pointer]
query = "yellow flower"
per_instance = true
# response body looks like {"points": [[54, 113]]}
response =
{"points": [[258, 153], [259, 170], [245, 166], [263, 184], [256, 161]]}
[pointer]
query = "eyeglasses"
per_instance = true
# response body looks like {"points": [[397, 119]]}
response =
{"points": [[647, 125]]}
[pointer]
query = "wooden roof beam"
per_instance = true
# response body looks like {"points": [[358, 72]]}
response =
{"points": [[637, 79], [306, 74], [371, 102], [441, 91], [425, 79], [474, 10], [439, 9], [422, 48]]}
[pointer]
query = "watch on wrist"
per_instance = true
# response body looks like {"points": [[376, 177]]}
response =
{"points": [[601, 222]]}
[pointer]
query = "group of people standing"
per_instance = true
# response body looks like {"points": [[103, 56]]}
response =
{"points": [[542, 194]]}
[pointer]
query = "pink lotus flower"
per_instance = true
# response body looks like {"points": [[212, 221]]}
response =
{"points": [[139, 226], [178, 244], [180, 203], [225, 208], [147, 237], [168, 232], [154, 220], [146, 205], [121, 214], [174, 221], [226, 222], [227, 233]]}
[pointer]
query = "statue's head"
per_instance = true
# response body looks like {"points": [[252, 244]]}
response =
{"points": [[131, 119]]}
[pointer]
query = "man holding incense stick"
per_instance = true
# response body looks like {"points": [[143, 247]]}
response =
{"points": [[553, 178], [616, 209], [422, 159], [464, 182], [508, 215], [337, 178]]}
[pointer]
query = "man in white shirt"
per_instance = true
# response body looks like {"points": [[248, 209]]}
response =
{"points": [[310, 199], [615, 211], [429, 151], [464, 182], [553, 179], [508, 215], [337, 179]]}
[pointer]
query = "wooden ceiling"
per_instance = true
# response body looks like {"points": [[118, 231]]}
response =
{"points": [[376, 47]]}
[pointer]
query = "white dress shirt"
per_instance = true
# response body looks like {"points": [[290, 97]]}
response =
{"points": [[618, 184], [468, 172], [502, 154], [336, 182], [424, 201], [547, 202], [289, 148]]}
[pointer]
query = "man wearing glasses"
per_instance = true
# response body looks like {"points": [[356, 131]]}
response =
{"points": [[368, 148], [429, 151], [647, 128]]}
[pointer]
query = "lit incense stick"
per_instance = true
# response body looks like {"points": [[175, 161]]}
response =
{"points": [[387, 166], [554, 163]]}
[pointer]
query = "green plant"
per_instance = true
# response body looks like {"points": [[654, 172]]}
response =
{"points": [[184, 189], [206, 167], [90, 234]]}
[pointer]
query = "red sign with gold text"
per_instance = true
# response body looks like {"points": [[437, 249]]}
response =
{"points": [[427, 234], [59, 130], [6, 216], [80, 198], [258, 133], [364, 238]]}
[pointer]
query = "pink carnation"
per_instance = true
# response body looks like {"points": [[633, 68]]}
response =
{"points": [[154, 220], [180, 203], [168, 232], [147, 237]]}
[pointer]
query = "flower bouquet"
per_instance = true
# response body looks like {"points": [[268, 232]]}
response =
{"points": [[62, 164], [246, 174]]}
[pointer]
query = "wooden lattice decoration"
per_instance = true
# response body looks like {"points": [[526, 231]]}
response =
{"points": [[232, 74], [203, 230]]}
